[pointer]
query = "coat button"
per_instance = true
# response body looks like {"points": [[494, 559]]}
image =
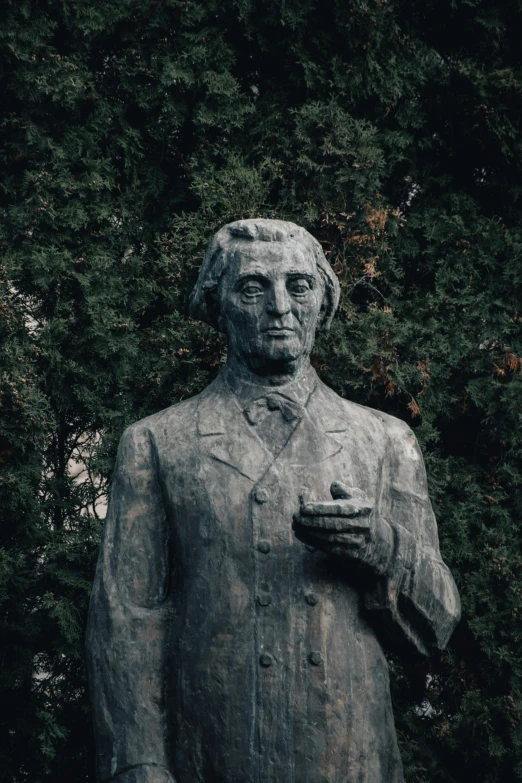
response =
{"points": [[264, 547], [315, 658], [263, 599], [312, 599], [261, 495], [266, 660]]}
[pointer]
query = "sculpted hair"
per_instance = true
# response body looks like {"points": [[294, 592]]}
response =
{"points": [[203, 300]]}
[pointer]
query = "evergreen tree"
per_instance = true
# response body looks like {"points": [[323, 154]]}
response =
{"points": [[130, 132]]}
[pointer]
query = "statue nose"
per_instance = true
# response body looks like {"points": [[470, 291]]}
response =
{"points": [[278, 302]]}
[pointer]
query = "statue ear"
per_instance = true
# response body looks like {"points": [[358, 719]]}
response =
{"points": [[329, 301], [213, 309], [321, 318]]}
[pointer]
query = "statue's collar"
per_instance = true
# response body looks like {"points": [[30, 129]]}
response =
{"points": [[298, 389], [229, 438]]}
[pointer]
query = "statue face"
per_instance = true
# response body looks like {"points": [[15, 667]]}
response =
{"points": [[270, 301]]}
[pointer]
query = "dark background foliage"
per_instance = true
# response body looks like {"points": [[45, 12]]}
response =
{"points": [[130, 131]]}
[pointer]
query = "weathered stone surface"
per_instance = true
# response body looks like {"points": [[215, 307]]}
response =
{"points": [[262, 538]]}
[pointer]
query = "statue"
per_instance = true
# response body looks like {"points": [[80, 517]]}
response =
{"points": [[262, 539]]}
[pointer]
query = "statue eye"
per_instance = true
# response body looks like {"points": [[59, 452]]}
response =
{"points": [[252, 289], [299, 287]]}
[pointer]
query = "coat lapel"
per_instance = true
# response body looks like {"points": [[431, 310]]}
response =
{"points": [[314, 439], [229, 438]]}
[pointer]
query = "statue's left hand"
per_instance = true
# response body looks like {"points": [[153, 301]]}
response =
{"points": [[346, 527]]}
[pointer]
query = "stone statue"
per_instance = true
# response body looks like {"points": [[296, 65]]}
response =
{"points": [[262, 539]]}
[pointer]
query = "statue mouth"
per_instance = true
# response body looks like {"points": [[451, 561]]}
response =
{"points": [[278, 331]]}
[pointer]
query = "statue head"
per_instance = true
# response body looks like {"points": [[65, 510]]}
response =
{"points": [[268, 286]]}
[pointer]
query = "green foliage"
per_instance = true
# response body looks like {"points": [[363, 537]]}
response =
{"points": [[130, 132]]}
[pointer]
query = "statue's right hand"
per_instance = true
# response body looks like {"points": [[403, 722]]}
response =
{"points": [[347, 527], [348, 513], [146, 774]]}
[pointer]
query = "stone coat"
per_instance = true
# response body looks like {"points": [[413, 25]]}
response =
{"points": [[223, 649]]}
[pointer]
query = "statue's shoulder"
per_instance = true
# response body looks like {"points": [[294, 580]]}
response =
{"points": [[373, 421], [176, 421]]}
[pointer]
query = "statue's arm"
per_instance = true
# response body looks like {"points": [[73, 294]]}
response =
{"points": [[128, 621], [417, 599]]}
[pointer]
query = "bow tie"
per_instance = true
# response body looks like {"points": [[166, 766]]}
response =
{"points": [[259, 409]]}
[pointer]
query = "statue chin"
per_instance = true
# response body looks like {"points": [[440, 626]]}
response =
{"points": [[275, 363], [273, 357]]}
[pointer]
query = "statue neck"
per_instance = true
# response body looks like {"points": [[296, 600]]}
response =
{"points": [[268, 375]]}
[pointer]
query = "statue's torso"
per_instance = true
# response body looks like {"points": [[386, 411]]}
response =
{"points": [[273, 675]]}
